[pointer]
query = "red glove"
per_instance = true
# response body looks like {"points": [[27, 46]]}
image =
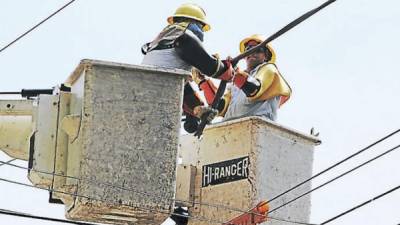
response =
{"points": [[209, 89], [227, 75], [240, 78]]}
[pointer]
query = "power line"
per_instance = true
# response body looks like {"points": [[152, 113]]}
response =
{"points": [[224, 206], [330, 181], [334, 165], [191, 217], [360, 205], [290, 221], [122, 188], [81, 179], [37, 25], [218, 206], [6, 210], [231, 208], [6, 163], [10, 92], [101, 200], [19, 214], [244, 211]]}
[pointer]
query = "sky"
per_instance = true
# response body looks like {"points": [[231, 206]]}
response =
{"points": [[341, 64]]}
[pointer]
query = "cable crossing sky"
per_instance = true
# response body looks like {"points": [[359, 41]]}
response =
{"points": [[334, 165], [7, 163], [337, 177], [34, 27], [360, 205], [143, 193], [19, 214]]}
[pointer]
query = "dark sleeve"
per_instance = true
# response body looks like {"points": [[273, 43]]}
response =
{"points": [[190, 98], [221, 105], [190, 50], [251, 87]]}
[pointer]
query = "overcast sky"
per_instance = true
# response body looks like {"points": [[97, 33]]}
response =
{"points": [[342, 65]]}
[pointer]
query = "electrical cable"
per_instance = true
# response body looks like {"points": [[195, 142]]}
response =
{"points": [[81, 179], [10, 92], [6, 210], [360, 205], [223, 206], [6, 163], [19, 214], [215, 205], [37, 25], [239, 210], [290, 221], [144, 208], [151, 195], [334, 165], [101, 200], [337, 177]]}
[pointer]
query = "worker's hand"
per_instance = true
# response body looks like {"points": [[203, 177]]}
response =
{"points": [[240, 78], [197, 76], [191, 123], [199, 111], [227, 75]]}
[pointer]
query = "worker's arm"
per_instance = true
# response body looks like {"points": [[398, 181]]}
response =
{"points": [[209, 90], [266, 83], [191, 99], [190, 49]]}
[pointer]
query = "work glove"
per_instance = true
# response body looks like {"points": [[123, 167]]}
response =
{"points": [[225, 70], [248, 84], [228, 74], [191, 123], [199, 111], [197, 76], [205, 84], [240, 78]]}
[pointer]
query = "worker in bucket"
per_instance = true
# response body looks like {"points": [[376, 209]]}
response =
{"points": [[179, 45], [257, 91]]}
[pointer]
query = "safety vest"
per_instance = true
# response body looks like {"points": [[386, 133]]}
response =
{"points": [[275, 91], [164, 55], [166, 38]]}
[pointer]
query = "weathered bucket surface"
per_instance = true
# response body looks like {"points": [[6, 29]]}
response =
{"points": [[245, 161], [16, 127], [125, 149]]}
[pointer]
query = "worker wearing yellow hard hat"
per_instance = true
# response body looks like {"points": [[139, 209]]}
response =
{"points": [[258, 91], [179, 45], [258, 39], [191, 11]]}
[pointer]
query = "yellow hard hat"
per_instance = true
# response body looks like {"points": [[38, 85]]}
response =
{"points": [[192, 11], [257, 38]]}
